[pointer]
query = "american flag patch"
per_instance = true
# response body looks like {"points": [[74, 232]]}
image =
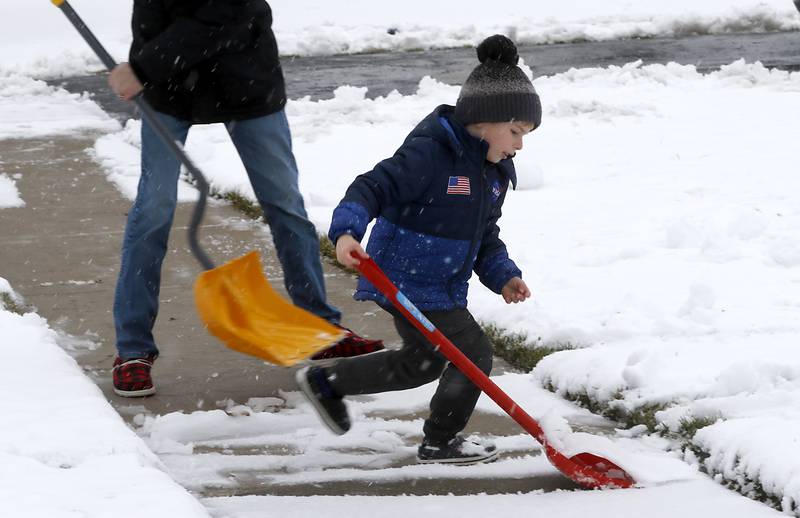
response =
{"points": [[458, 185]]}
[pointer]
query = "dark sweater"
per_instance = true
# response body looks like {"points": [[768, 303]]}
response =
{"points": [[207, 60]]}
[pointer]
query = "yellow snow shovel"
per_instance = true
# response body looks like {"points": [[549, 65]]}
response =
{"points": [[235, 300], [240, 308]]}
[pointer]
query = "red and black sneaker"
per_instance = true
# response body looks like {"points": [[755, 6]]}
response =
{"points": [[349, 346], [132, 377]]}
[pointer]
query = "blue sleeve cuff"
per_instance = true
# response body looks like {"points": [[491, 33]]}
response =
{"points": [[496, 271], [349, 218]]}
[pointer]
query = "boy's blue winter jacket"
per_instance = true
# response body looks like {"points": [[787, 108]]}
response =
{"points": [[437, 202]]}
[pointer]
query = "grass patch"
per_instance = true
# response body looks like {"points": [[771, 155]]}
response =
{"points": [[592, 405], [748, 487], [517, 349], [688, 427], [327, 248], [614, 410], [645, 415], [10, 304], [249, 208]]}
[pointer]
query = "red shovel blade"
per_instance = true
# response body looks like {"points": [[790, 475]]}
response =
{"points": [[591, 471], [601, 465]]}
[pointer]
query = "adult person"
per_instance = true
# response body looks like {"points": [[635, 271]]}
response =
{"points": [[200, 62]]}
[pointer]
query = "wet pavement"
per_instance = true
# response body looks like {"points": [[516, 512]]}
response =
{"points": [[381, 73]]}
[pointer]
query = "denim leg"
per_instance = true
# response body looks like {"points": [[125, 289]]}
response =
{"points": [[145, 243], [265, 147]]}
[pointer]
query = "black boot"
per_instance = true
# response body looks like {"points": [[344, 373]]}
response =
{"points": [[329, 405]]}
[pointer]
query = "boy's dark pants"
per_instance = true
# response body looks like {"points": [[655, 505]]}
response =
{"points": [[417, 363]]}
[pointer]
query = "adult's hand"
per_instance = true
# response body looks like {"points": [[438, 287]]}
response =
{"points": [[124, 82]]}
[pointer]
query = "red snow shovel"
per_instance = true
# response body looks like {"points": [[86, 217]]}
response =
{"points": [[588, 470]]}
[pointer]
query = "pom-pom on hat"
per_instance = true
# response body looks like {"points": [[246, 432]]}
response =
{"points": [[498, 90]]}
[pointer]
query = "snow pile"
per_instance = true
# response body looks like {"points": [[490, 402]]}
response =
{"points": [[63, 450], [9, 195], [31, 109], [38, 41], [310, 27]]}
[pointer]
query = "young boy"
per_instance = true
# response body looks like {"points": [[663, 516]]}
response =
{"points": [[437, 202]]}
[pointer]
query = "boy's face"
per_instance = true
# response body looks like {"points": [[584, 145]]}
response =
{"points": [[504, 138]]}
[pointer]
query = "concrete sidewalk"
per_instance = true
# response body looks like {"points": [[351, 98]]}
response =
{"points": [[61, 253]]}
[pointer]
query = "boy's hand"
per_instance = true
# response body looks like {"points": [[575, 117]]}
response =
{"points": [[515, 291], [345, 245]]}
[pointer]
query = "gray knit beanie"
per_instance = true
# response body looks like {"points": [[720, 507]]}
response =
{"points": [[497, 90]]}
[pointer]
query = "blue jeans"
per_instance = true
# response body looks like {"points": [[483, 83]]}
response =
{"points": [[264, 144]]}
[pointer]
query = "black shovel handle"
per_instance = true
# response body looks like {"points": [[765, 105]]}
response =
{"points": [[166, 137]]}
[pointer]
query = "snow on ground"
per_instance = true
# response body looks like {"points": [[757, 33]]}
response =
{"points": [[282, 444], [699, 499], [63, 450], [311, 28], [9, 195], [36, 39], [66, 453], [30, 108], [381, 446], [655, 222]]}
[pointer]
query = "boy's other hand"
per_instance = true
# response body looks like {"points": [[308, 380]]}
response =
{"points": [[345, 246], [515, 291], [124, 82]]}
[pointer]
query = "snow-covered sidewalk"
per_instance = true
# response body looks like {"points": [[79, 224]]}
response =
{"points": [[63, 450]]}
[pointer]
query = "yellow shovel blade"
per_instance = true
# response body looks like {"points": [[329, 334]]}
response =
{"points": [[239, 307]]}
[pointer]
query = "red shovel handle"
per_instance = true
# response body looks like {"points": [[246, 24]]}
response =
{"points": [[598, 472]]}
